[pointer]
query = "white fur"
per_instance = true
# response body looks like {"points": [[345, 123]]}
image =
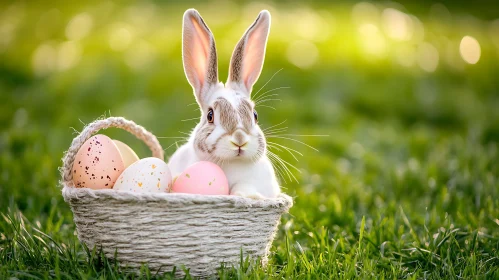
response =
{"points": [[249, 173], [247, 178]]}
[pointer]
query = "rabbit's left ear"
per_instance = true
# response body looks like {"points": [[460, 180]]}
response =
{"points": [[199, 54], [247, 59]]}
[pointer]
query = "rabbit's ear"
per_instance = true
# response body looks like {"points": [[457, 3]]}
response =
{"points": [[198, 54], [247, 59]]}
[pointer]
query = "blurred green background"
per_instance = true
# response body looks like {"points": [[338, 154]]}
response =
{"points": [[407, 93]]}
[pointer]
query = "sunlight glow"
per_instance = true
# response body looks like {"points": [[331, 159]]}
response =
{"points": [[427, 57], [397, 25], [10, 18], [6, 34], [364, 12], [303, 54], [68, 55], [140, 55], [44, 59], [120, 38], [371, 39], [79, 26], [470, 50], [307, 24]]}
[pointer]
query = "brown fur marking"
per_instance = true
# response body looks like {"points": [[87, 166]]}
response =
{"points": [[212, 71], [245, 111], [228, 116], [202, 134], [236, 62]]}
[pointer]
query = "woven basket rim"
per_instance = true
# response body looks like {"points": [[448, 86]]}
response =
{"points": [[283, 201]]}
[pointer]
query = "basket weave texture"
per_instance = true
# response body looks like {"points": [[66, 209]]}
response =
{"points": [[164, 230]]}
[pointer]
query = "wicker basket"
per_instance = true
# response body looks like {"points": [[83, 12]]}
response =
{"points": [[164, 230]]}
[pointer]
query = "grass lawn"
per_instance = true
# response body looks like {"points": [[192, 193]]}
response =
{"points": [[405, 185]]}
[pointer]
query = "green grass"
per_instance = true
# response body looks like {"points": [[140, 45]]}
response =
{"points": [[406, 185]]}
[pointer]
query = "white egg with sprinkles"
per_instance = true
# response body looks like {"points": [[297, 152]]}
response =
{"points": [[146, 175]]}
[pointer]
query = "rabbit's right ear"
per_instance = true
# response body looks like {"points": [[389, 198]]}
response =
{"points": [[247, 59], [198, 54]]}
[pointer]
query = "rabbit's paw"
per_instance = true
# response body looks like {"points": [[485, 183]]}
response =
{"points": [[246, 192]]}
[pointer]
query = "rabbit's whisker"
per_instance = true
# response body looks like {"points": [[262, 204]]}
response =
{"points": [[267, 128], [279, 165], [298, 141], [271, 146], [287, 163], [179, 137], [268, 91], [289, 150], [174, 144], [267, 107], [191, 104], [267, 95], [268, 81], [267, 100], [299, 135], [276, 130], [283, 164], [290, 174], [277, 168], [191, 119], [275, 147]]}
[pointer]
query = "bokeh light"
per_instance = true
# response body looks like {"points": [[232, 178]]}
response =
{"points": [[79, 26], [120, 38], [428, 57], [303, 54], [140, 55], [469, 48], [406, 92], [372, 40], [69, 54], [363, 12], [397, 25], [44, 59]]}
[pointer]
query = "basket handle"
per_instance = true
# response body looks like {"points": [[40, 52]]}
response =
{"points": [[92, 128]]}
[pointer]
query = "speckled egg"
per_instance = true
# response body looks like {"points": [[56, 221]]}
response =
{"points": [[97, 164], [202, 177], [146, 175]]}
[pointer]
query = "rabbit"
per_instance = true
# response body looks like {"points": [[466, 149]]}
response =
{"points": [[228, 133]]}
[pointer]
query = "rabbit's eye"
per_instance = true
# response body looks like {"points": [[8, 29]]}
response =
{"points": [[256, 116], [210, 116]]}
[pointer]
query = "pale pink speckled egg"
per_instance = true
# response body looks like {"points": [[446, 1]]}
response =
{"points": [[146, 175], [202, 177], [97, 164]]}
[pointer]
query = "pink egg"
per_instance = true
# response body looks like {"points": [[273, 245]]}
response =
{"points": [[202, 177], [97, 164]]}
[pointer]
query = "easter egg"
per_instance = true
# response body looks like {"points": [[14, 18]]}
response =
{"points": [[127, 154], [97, 164], [146, 175], [202, 177]]}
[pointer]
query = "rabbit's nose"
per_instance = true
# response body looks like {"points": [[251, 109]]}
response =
{"points": [[239, 138]]}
